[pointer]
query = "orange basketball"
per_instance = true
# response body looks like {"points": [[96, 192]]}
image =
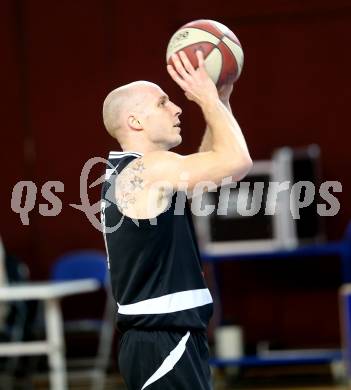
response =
{"points": [[224, 56]]}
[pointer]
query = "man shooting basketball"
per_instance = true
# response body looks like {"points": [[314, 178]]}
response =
{"points": [[163, 303]]}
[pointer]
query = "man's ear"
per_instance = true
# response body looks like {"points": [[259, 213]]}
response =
{"points": [[134, 123]]}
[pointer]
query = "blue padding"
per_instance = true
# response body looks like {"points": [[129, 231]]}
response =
{"points": [[317, 358], [81, 265], [330, 248]]}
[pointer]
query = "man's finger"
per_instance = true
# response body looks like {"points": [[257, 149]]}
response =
{"points": [[175, 76], [187, 64], [200, 58], [179, 67]]}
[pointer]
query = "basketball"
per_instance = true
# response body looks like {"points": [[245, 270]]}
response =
{"points": [[223, 54]]}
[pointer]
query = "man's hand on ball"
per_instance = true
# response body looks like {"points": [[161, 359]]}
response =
{"points": [[196, 84]]}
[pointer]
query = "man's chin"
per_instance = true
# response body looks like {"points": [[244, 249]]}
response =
{"points": [[178, 141], [175, 142]]}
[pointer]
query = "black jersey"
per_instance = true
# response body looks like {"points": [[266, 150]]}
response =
{"points": [[155, 266]]}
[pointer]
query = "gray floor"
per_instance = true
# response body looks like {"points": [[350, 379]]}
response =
{"points": [[115, 382], [287, 379]]}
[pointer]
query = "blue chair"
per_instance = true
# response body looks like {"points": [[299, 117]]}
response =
{"points": [[81, 265], [86, 264]]}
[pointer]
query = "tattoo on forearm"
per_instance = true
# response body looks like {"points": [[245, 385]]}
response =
{"points": [[130, 184]]}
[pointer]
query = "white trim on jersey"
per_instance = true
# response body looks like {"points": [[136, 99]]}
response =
{"points": [[169, 303], [170, 361], [117, 155], [109, 172], [124, 152], [102, 219]]}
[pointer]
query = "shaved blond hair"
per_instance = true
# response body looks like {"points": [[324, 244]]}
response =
{"points": [[123, 100]]}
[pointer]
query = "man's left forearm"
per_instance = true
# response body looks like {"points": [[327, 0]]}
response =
{"points": [[206, 143]]}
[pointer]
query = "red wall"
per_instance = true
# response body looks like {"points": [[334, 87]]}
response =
{"points": [[60, 59]]}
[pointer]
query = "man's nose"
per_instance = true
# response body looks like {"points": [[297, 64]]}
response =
{"points": [[178, 110]]}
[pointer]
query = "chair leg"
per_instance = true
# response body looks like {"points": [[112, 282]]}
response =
{"points": [[17, 333], [105, 343]]}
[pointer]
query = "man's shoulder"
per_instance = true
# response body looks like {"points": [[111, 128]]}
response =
{"points": [[159, 164], [159, 154]]}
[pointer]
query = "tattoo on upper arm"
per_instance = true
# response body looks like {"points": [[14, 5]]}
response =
{"points": [[129, 184]]}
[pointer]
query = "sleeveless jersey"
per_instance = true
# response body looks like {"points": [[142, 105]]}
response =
{"points": [[155, 267]]}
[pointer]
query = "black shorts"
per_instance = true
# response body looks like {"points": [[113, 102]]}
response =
{"points": [[161, 360]]}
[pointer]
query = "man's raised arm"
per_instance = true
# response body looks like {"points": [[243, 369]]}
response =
{"points": [[228, 155]]}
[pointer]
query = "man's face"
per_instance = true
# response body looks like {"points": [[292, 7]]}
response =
{"points": [[160, 119]]}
